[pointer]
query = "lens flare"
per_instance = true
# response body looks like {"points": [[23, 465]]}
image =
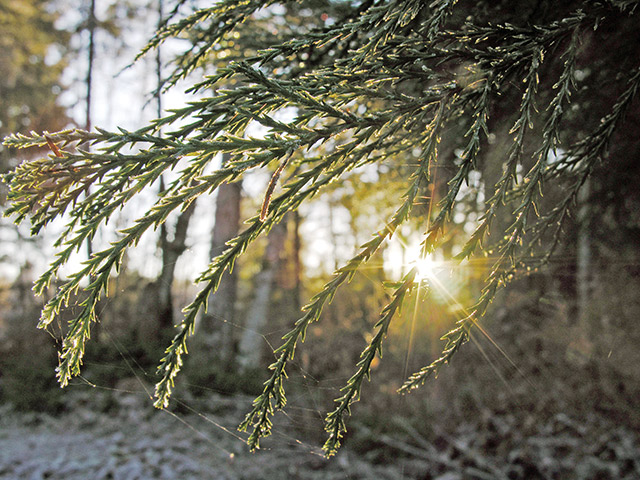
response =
{"points": [[427, 268]]}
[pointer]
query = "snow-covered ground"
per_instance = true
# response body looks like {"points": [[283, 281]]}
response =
{"points": [[136, 441], [120, 436]]}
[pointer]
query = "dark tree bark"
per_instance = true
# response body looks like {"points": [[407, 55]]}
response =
{"points": [[251, 342], [91, 27], [171, 251], [216, 326]]}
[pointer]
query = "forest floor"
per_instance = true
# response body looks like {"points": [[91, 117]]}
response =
{"points": [[129, 440], [132, 440]]}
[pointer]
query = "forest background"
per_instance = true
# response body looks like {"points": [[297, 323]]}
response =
{"points": [[548, 388]]}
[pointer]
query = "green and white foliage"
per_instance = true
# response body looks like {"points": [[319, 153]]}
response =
{"points": [[377, 81]]}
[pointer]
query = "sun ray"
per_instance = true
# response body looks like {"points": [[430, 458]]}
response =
{"points": [[493, 366], [429, 271], [412, 329]]}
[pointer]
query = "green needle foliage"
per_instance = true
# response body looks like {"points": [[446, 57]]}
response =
{"points": [[382, 82]]}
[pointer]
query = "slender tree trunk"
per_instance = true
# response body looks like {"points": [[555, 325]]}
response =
{"points": [[158, 93], [335, 241], [216, 326], [91, 26], [251, 341], [297, 261], [584, 271], [171, 251]]}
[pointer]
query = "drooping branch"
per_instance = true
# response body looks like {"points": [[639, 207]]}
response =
{"points": [[376, 87]]}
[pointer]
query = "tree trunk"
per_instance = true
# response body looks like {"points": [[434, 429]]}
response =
{"points": [[171, 251], [91, 26], [584, 273], [216, 326], [158, 93], [251, 341], [297, 261]]}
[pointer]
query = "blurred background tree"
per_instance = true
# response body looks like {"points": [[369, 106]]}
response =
{"points": [[33, 55], [32, 59]]}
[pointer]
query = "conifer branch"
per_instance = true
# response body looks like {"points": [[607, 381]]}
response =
{"points": [[273, 393], [335, 423], [376, 86]]}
